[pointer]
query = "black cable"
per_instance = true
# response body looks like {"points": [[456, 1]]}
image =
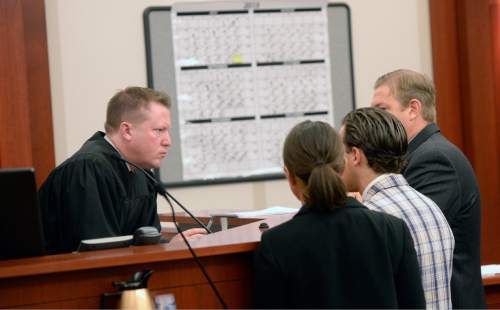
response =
{"points": [[166, 195], [196, 259], [161, 190], [186, 210]]}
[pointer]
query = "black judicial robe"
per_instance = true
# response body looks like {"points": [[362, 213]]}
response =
{"points": [[349, 257], [93, 194]]}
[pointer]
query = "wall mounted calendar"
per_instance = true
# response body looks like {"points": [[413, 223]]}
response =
{"points": [[241, 75]]}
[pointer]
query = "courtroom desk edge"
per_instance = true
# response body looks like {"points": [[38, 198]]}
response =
{"points": [[491, 280], [49, 281], [239, 239], [210, 245], [108, 258]]}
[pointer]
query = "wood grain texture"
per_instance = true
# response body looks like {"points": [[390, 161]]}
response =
{"points": [[25, 107], [231, 273], [15, 145], [464, 65], [492, 290], [39, 99], [445, 56], [495, 26], [480, 107], [77, 280]]}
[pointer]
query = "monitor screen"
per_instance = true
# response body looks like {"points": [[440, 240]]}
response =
{"points": [[21, 233]]}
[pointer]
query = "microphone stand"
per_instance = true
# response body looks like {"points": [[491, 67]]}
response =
{"points": [[159, 188], [196, 259], [167, 195], [163, 192]]}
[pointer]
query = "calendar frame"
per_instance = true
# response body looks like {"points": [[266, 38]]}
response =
{"points": [[161, 76]]}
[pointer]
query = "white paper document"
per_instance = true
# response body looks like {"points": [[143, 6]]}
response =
{"points": [[260, 213], [490, 270]]}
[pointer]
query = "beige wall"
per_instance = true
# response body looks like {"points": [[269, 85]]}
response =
{"points": [[97, 47]]}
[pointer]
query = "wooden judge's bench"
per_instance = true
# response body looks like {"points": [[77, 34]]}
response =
{"points": [[80, 280]]}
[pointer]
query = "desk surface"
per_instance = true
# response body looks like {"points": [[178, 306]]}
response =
{"points": [[238, 239], [78, 280]]}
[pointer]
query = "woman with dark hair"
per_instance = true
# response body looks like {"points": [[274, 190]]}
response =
{"points": [[334, 253]]}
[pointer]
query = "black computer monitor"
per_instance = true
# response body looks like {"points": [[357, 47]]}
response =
{"points": [[21, 233]]}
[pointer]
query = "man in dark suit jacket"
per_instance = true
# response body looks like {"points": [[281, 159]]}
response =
{"points": [[439, 170]]}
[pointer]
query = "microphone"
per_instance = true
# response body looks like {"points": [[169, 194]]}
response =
{"points": [[163, 192]]}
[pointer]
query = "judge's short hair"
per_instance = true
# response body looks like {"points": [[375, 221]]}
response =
{"points": [[406, 85], [127, 105], [381, 137]]}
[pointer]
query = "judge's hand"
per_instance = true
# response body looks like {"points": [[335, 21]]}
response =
{"points": [[192, 233], [355, 195]]}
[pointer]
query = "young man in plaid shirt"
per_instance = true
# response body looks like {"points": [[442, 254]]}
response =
{"points": [[375, 145]]}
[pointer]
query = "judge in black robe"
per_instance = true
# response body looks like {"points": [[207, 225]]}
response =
{"points": [[94, 194]]}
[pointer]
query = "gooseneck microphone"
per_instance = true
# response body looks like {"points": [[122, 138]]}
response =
{"points": [[162, 191]]}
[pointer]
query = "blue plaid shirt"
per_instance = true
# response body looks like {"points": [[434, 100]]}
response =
{"points": [[432, 236]]}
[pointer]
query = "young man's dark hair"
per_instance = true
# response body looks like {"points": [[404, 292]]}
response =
{"points": [[379, 135]]}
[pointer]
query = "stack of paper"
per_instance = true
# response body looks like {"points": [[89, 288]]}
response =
{"points": [[490, 270], [259, 213]]}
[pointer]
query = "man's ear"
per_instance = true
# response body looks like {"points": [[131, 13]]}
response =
{"points": [[126, 131], [414, 109], [356, 156], [359, 157]]}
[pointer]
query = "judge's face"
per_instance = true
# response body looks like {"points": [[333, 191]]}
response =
{"points": [[384, 99], [150, 137]]}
